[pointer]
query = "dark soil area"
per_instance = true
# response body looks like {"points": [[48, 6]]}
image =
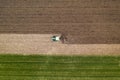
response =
{"points": [[84, 21]]}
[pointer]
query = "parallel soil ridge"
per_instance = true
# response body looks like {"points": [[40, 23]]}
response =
{"points": [[84, 21]]}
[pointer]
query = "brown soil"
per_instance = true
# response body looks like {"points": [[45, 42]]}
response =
{"points": [[84, 21], [28, 44]]}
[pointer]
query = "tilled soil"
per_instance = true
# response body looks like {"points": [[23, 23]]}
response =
{"points": [[84, 21]]}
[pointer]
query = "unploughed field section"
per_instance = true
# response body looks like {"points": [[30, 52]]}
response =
{"points": [[41, 67]]}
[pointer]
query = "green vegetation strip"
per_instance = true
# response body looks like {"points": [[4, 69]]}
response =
{"points": [[37, 67]]}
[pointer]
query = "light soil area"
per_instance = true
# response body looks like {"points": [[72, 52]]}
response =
{"points": [[28, 44]]}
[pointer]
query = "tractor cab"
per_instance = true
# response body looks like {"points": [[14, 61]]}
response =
{"points": [[55, 38]]}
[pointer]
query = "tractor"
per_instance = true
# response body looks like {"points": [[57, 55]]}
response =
{"points": [[61, 38]]}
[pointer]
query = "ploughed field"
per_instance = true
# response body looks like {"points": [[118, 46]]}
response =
{"points": [[37, 67], [83, 21]]}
